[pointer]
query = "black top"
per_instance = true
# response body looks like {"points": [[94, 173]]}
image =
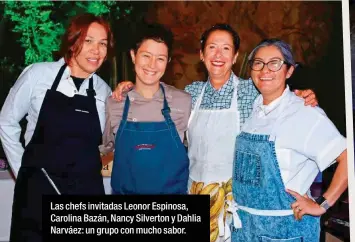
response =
{"points": [[77, 81]]}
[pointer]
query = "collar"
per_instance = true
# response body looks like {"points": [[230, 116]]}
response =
{"points": [[227, 87], [135, 96], [67, 72], [258, 105]]}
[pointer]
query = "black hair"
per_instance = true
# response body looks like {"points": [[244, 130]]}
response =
{"points": [[156, 32], [223, 27]]}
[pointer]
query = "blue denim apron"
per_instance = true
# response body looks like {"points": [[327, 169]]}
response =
{"points": [[149, 157], [263, 204]]}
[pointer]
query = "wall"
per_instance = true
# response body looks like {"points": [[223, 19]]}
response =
{"points": [[305, 25]]}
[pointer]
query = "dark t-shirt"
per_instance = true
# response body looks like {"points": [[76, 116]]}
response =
{"points": [[77, 81]]}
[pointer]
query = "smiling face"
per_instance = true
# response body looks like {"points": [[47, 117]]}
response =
{"points": [[92, 53], [270, 84], [219, 55], [150, 62]]}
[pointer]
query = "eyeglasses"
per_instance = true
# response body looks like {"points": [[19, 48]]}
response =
{"points": [[273, 65]]}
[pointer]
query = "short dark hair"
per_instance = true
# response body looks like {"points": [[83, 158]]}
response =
{"points": [[223, 27], [156, 32]]}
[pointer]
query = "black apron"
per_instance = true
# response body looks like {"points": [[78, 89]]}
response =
{"points": [[65, 144]]}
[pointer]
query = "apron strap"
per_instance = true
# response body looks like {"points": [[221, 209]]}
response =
{"points": [[166, 110], [125, 109], [235, 83], [166, 113], [199, 99], [234, 102], [124, 118], [58, 77], [91, 91], [196, 107]]}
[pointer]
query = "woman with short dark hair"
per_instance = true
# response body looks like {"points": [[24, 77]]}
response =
{"points": [[146, 131]]}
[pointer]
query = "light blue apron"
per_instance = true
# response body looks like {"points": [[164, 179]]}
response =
{"points": [[149, 157], [264, 207]]}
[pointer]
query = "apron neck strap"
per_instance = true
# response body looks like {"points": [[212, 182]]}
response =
{"points": [[58, 77], [165, 111], [199, 99], [90, 91], [235, 82], [125, 109]]}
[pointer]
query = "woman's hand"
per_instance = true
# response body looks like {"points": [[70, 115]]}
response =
{"points": [[309, 96], [304, 205], [121, 88]]}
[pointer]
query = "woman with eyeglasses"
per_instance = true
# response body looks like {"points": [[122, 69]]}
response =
{"points": [[279, 152], [220, 107]]}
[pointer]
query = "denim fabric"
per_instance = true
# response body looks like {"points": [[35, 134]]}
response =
{"points": [[276, 228], [257, 184]]}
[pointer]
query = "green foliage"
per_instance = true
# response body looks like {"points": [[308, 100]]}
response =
{"points": [[96, 7], [104, 8], [40, 35], [7, 65]]}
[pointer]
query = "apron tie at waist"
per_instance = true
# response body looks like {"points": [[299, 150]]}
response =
{"points": [[221, 222], [223, 226], [233, 207], [237, 223]]}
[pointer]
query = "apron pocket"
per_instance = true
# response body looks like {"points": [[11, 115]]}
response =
{"points": [[248, 168], [268, 239]]}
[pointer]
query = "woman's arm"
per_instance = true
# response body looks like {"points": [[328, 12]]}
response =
{"points": [[309, 97], [121, 88], [194, 89], [16, 106], [305, 205], [108, 139], [339, 182]]}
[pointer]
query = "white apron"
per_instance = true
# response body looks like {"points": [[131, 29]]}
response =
{"points": [[211, 143]]}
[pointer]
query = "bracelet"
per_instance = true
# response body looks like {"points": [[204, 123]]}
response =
{"points": [[322, 202]]}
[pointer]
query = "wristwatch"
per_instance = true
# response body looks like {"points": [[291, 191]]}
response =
{"points": [[322, 202]]}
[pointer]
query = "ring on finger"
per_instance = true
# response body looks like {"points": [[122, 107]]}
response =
{"points": [[298, 209]]}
